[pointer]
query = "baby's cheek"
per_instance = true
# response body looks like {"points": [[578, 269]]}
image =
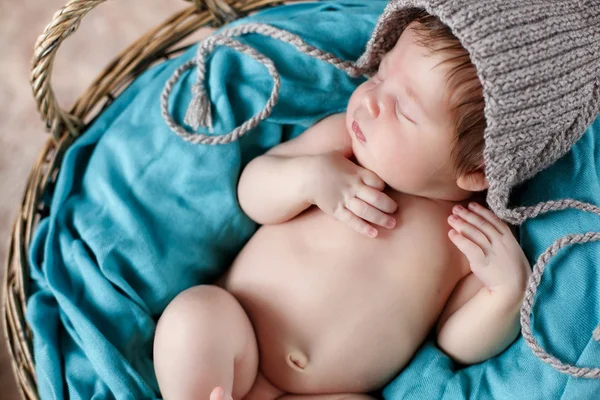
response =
{"points": [[398, 151], [409, 169], [393, 159]]}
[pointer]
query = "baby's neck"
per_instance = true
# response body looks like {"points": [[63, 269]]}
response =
{"points": [[477, 197]]}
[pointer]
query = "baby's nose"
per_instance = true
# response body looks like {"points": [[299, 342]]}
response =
{"points": [[370, 103]]}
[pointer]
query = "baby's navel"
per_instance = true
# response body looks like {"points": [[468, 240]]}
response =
{"points": [[297, 360]]}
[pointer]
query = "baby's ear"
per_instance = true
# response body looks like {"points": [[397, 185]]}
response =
{"points": [[473, 181]]}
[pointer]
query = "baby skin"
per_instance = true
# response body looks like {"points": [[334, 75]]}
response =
{"points": [[369, 241]]}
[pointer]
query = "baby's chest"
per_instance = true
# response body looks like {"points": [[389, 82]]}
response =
{"points": [[414, 263], [326, 260], [419, 240]]}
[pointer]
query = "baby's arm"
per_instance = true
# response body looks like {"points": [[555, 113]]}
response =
{"points": [[481, 317], [314, 169], [477, 323], [273, 188]]}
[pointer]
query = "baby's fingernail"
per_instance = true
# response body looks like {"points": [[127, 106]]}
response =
{"points": [[391, 223], [459, 208], [372, 232]]}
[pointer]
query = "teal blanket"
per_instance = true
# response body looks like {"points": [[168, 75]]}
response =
{"points": [[138, 215]]}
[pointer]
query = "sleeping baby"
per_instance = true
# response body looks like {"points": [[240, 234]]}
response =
{"points": [[373, 235]]}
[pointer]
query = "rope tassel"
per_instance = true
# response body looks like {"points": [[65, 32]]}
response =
{"points": [[199, 112]]}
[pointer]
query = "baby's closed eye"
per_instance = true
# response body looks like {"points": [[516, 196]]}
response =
{"points": [[402, 114]]}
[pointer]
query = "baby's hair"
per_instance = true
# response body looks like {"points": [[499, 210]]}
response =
{"points": [[466, 99]]}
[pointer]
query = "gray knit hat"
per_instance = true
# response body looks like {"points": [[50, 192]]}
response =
{"points": [[539, 64]]}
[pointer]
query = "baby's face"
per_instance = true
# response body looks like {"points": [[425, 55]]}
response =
{"points": [[400, 122]]}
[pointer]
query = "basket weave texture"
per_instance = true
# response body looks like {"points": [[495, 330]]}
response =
{"points": [[64, 127]]}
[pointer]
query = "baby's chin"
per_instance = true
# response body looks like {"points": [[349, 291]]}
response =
{"points": [[358, 152]]}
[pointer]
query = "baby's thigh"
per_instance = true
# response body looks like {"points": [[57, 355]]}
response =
{"points": [[203, 340]]}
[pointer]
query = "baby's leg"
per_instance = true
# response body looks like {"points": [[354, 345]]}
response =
{"points": [[204, 340]]}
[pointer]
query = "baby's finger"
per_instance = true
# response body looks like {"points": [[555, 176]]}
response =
{"points": [[470, 232], [473, 252], [490, 217], [377, 199], [477, 221], [359, 225], [371, 179], [370, 213]]}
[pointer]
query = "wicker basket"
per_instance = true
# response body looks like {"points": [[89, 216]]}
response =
{"points": [[65, 126]]}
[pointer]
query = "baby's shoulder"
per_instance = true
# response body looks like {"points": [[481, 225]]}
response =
{"points": [[325, 136], [333, 120], [329, 134], [333, 125]]}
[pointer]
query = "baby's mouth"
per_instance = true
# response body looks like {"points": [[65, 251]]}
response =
{"points": [[358, 133]]}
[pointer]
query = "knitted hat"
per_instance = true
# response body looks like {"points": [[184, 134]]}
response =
{"points": [[539, 64]]}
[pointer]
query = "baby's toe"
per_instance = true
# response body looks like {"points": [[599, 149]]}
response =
{"points": [[218, 393]]}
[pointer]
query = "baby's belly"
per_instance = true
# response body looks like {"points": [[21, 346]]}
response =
{"points": [[334, 311]]}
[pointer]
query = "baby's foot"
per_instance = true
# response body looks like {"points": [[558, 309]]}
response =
{"points": [[218, 393]]}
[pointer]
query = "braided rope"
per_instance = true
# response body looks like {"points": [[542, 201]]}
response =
{"points": [[529, 299], [199, 114], [523, 213], [287, 37], [536, 277], [200, 103]]}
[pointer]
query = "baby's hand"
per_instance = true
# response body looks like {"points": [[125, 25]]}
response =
{"points": [[351, 194], [493, 252]]}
